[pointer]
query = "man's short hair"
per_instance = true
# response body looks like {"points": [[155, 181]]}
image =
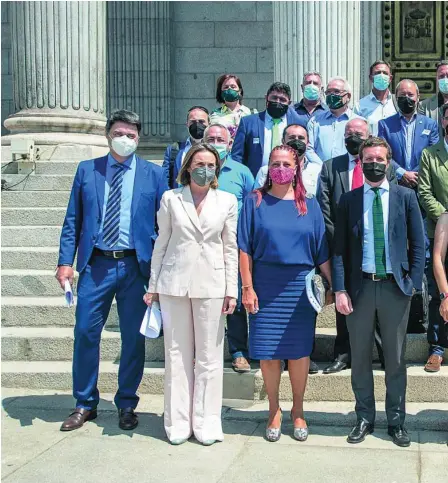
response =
{"points": [[293, 125], [201, 108], [347, 86], [407, 80], [122, 115], [373, 142], [216, 124], [311, 72], [280, 87], [443, 109], [441, 64], [378, 62]]}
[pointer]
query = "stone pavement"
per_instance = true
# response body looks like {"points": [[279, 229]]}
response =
{"points": [[35, 451]]}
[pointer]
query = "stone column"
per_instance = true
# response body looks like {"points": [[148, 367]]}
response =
{"points": [[139, 66], [59, 68], [371, 41], [322, 36]]}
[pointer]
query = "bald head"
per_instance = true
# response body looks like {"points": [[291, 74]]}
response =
{"points": [[408, 88], [358, 127]]}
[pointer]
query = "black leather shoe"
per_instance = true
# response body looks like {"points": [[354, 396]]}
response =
{"points": [[399, 435], [336, 366], [127, 419], [359, 432], [314, 368]]}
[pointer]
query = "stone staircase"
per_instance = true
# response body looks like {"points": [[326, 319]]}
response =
{"points": [[37, 328]]}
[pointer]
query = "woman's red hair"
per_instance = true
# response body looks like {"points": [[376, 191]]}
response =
{"points": [[299, 189]]}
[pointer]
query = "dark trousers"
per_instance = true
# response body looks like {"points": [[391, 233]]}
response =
{"points": [[103, 279], [237, 329], [342, 341], [436, 326], [385, 300]]}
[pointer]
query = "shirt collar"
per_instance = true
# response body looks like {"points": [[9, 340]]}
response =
{"points": [[384, 185], [405, 120], [271, 120], [226, 110], [374, 99], [347, 113], [352, 157], [127, 164], [300, 105]]}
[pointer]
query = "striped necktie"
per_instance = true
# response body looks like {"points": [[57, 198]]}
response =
{"points": [[111, 227], [378, 233], [276, 135]]}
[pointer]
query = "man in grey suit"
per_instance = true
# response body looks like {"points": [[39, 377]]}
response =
{"points": [[431, 106], [378, 264]]}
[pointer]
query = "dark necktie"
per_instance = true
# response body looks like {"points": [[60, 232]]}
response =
{"points": [[111, 228], [378, 233]]}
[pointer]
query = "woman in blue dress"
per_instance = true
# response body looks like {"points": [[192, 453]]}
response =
{"points": [[281, 236]]}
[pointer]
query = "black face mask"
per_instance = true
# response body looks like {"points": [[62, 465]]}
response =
{"points": [[196, 130], [406, 104], [276, 109], [298, 145], [374, 172], [352, 143]]}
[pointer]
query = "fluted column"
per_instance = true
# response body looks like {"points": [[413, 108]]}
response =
{"points": [[59, 69], [322, 36], [139, 64], [371, 40]]}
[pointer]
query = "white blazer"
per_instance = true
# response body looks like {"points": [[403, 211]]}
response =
{"points": [[196, 255]]}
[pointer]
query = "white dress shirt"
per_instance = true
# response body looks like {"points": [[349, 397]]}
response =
{"points": [[351, 167], [368, 252], [186, 149], [268, 125], [374, 110]]}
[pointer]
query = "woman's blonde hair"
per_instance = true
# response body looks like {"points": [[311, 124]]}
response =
{"points": [[184, 177]]}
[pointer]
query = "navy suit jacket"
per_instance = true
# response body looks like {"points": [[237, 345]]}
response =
{"points": [[251, 128], [177, 162], [406, 241], [426, 134], [85, 210]]}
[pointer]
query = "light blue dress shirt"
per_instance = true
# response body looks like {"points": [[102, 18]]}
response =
{"points": [[235, 178], [409, 133], [368, 251], [326, 136], [374, 110], [126, 240]]}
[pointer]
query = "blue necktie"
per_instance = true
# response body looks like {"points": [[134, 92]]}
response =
{"points": [[111, 228]]}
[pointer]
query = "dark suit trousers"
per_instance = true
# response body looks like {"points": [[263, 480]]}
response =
{"points": [[392, 307]]}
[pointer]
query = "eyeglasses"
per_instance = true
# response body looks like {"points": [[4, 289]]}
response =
{"points": [[335, 92]]}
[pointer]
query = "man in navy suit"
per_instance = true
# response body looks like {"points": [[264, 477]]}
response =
{"points": [[258, 133], [198, 119], [110, 224], [378, 264], [408, 133]]}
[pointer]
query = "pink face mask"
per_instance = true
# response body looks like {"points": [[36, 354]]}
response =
{"points": [[282, 175]]}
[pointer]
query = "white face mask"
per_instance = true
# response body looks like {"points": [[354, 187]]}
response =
{"points": [[124, 146]]}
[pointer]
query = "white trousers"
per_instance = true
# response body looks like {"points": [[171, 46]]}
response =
{"points": [[193, 330]]}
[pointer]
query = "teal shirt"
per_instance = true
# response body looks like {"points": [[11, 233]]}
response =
{"points": [[237, 179]]}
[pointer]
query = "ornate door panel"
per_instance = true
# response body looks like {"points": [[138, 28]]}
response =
{"points": [[415, 39]]}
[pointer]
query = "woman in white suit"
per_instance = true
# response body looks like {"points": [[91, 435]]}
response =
{"points": [[194, 272]]}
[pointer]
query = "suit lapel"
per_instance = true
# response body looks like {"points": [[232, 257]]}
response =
{"points": [[418, 134], [100, 181], [141, 169], [401, 139], [188, 204], [393, 210], [344, 173], [210, 209], [359, 213], [442, 153], [261, 120]]}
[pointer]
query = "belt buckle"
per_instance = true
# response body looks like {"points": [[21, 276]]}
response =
{"points": [[375, 278], [118, 254]]}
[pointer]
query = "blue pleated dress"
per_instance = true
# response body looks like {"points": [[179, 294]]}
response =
{"points": [[284, 247]]}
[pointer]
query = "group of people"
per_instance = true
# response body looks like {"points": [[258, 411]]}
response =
{"points": [[228, 228]]}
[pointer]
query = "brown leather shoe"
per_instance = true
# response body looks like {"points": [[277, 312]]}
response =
{"points": [[434, 363], [77, 418], [241, 364]]}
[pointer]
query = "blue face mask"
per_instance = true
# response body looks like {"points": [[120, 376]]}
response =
{"points": [[311, 92], [381, 82], [222, 150], [443, 85]]}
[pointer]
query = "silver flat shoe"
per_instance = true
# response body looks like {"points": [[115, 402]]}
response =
{"points": [[300, 434], [273, 434], [208, 442], [178, 442]]}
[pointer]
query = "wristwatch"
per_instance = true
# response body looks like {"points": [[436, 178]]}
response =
{"points": [[444, 295]]}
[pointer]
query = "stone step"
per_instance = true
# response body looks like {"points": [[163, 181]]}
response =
{"points": [[33, 216], [35, 199], [46, 167], [31, 236], [37, 182], [421, 387], [56, 344], [34, 258], [30, 282]]}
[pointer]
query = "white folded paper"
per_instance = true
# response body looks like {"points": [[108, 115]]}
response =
{"points": [[68, 294], [310, 291], [152, 321]]}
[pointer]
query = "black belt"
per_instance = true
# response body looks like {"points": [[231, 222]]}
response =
{"points": [[117, 254], [375, 278]]}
